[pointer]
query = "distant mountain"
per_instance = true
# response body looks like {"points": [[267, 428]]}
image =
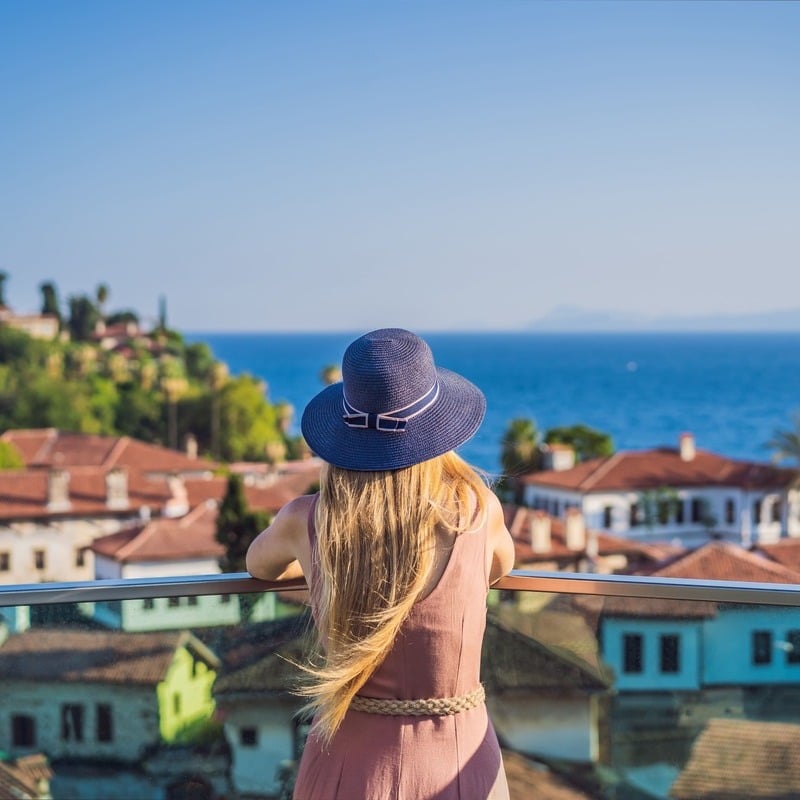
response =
{"points": [[565, 318]]}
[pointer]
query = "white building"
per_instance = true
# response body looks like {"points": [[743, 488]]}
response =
{"points": [[679, 494]]}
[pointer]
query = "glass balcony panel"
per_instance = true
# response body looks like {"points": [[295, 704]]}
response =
{"points": [[150, 693]]}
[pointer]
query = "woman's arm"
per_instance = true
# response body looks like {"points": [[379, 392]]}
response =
{"points": [[281, 551], [500, 543]]}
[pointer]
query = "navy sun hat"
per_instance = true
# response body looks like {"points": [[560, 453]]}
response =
{"points": [[393, 407]]}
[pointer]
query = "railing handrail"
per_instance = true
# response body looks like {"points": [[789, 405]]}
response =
{"points": [[519, 580]]}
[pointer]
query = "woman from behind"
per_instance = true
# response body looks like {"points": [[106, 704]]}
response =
{"points": [[399, 549]]}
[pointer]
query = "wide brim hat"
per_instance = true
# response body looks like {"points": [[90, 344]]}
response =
{"points": [[393, 407]]}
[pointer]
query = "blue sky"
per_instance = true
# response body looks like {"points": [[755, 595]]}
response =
{"points": [[435, 165]]}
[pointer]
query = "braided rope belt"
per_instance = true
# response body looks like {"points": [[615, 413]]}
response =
{"points": [[433, 706]]}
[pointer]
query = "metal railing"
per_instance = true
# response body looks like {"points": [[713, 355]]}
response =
{"points": [[518, 580]]}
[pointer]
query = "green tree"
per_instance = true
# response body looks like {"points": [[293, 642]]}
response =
{"points": [[101, 296], [10, 457], [247, 420], [785, 444], [520, 454], [199, 360], [3, 279], [585, 441], [83, 316], [50, 304], [237, 526]]}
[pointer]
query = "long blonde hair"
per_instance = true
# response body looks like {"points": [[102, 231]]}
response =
{"points": [[376, 545]]}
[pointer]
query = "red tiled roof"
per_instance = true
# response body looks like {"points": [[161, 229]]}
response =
{"points": [[715, 561], [16, 782], [651, 469], [49, 447], [725, 561], [528, 779], [190, 536], [52, 655], [785, 552], [23, 494], [518, 521], [736, 759], [259, 498]]}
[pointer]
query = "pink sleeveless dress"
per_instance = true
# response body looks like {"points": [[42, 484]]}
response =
{"points": [[436, 654]]}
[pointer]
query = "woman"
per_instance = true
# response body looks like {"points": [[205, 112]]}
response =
{"points": [[399, 548]]}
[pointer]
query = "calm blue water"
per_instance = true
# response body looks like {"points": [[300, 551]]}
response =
{"points": [[731, 390]]}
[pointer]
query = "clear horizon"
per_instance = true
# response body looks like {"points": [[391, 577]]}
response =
{"points": [[455, 166]]}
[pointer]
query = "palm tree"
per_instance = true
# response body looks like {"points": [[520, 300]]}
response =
{"points": [[786, 443], [101, 295], [218, 376], [520, 453]]}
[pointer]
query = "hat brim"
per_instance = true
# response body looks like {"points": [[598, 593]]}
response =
{"points": [[452, 420]]}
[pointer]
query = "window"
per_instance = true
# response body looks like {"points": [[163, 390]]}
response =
{"points": [[662, 511], [72, 722], [793, 649], [757, 512], [776, 511], [634, 516], [105, 724], [148, 604], [632, 652], [762, 647], [80, 556], [174, 602], [5, 562], [224, 598], [248, 737], [192, 600], [23, 730], [697, 509], [608, 517], [39, 559], [680, 512], [556, 508], [670, 653], [730, 512]]}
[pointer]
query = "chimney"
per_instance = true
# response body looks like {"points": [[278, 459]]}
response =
{"points": [[540, 532], [58, 490], [575, 530], [190, 444], [117, 489], [558, 457], [178, 503], [687, 449]]}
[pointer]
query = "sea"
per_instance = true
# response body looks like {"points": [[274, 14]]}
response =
{"points": [[733, 391]]}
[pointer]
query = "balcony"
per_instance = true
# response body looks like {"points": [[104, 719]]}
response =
{"points": [[598, 686]]}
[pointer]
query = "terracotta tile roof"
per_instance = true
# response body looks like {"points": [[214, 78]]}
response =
{"points": [[49, 447], [518, 521], [52, 655], [714, 561], [785, 552], [23, 494], [254, 657], [515, 661], [651, 469], [529, 779], [742, 760], [165, 539], [20, 778], [269, 498], [559, 628], [725, 561]]}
